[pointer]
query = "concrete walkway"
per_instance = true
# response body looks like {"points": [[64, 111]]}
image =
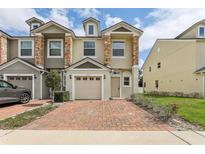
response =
{"points": [[101, 137]]}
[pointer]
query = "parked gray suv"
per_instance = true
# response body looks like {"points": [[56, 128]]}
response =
{"points": [[10, 93]]}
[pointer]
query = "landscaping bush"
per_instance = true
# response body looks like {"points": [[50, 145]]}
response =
{"points": [[61, 96], [164, 112], [177, 94]]}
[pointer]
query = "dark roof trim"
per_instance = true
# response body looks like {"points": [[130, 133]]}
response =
{"points": [[51, 21], [124, 23], [89, 59], [34, 18], [4, 33], [188, 29], [23, 61], [200, 70], [90, 18]]}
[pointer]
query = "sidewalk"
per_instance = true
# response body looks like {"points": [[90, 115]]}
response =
{"points": [[44, 137]]}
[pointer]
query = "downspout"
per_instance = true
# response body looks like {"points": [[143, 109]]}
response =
{"points": [[203, 88]]}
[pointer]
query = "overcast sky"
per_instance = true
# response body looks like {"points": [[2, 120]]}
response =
{"points": [[156, 23]]}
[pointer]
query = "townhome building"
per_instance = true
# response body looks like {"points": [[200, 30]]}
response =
{"points": [[177, 65], [102, 64]]}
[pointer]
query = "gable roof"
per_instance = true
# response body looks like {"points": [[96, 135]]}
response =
{"points": [[34, 19], [15, 60], [125, 25], [5, 34], [50, 23], [87, 59], [92, 19], [190, 28]]}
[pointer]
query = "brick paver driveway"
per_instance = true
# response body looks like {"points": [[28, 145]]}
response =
{"points": [[98, 115], [8, 110]]}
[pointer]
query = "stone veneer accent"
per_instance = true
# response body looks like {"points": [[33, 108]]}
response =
{"points": [[3, 50], [135, 50], [68, 50], [39, 50], [107, 49]]}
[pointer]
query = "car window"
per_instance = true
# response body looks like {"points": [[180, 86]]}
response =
{"points": [[5, 85]]}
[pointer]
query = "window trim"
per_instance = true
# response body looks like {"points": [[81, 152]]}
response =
{"points": [[116, 40], [94, 33], [48, 49], [32, 48], [35, 23], [84, 48], [199, 31], [129, 81]]}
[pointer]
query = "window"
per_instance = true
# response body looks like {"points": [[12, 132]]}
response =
{"points": [[89, 48], [201, 31], [26, 48], [144, 84], [97, 78], [84, 78], [150, 69], [156, 84], [90, 29], [91, 78], [4, 84], [159, 65], [78, 78], [55, 48], [126, 81], [34, 25], [118, 48]]}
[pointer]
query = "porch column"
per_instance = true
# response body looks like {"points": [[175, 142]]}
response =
{"points": [[107, 49], [135, 50], [39, 50], [68, 50], [3, 49], [135, 69]]}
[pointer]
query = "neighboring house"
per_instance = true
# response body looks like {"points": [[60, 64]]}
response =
{"points": [[177, 65], [100, 65]]}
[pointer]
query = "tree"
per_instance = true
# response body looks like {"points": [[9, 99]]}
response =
{"points": [[140, 83], [53, 80]]}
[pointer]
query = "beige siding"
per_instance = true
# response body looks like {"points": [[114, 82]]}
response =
{"points": [[193, 31], [200, 54], [178, 64], [78, 49], [124, 62]]}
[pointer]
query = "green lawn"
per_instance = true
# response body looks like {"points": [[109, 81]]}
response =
{"points": [[191, 109], [26, 117]]}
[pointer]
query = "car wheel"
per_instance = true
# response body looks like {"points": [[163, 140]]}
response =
{"points": [[25, 98]]}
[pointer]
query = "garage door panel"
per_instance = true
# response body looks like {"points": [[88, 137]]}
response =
{"points": [[21, 81], [87, 88]]}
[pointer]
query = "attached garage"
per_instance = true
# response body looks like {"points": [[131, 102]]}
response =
{"points": [[88, 87], [24, 81]]}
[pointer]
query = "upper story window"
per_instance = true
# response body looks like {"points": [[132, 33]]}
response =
{"points": [[35, 25], [201, 31], [159, 65], [118, 48], [26, 49], [90, 29], [89, 48], [150, 69], [55, 48]]}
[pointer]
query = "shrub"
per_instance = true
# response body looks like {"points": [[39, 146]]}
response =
{"points": [[61, 96], [164, 112]]}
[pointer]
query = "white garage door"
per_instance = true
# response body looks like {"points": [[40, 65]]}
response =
{"points": [[87, 87]]}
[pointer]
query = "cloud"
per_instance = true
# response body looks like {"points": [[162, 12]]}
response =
{"points": [[88, 12], [138, 22], [61, 16], [109, 21], [168, 23], [14, 19]]}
